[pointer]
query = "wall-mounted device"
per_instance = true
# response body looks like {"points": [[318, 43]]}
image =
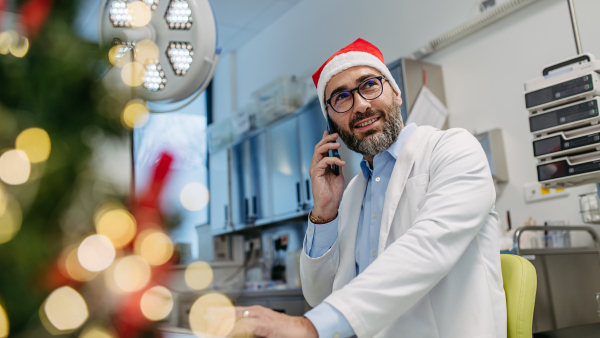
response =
{"points": [[564, 82], [493, 146], [567, 142], [570, 170], [563, 109], [575, 115]]}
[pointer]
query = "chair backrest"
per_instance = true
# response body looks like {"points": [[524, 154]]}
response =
{"points": [[520, 285]]}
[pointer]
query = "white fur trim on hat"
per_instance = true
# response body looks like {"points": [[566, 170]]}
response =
{"points": [[348, 60]]}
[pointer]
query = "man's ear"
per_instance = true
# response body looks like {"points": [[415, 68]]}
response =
{"points": [[398, 98]]}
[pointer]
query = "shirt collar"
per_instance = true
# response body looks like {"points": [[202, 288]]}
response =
{"points": [[393, 150]]}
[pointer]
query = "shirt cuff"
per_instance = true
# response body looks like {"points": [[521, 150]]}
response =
{"points": [[320, 238], [329, 322]]}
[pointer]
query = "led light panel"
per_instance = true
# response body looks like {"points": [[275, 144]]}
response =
{"points": [[179, 15], [153, 4], [181, 56], [154, 79], [119, 14]]}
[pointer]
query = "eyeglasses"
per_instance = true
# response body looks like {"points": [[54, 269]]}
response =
{"points": [[369, 89]]}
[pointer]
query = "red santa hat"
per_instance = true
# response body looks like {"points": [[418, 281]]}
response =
{"points": [[358, 53]]}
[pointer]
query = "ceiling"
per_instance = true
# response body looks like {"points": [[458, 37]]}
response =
{"points": [[240, 20]]}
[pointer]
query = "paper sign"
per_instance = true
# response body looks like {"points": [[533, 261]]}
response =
{"points": [[428, 110]]}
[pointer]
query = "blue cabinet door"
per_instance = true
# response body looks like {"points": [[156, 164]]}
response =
{"points": [[284, 160], [312, 125], [219, 191], [260, 197]]}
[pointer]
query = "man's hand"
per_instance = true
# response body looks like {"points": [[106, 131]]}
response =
{"points": [[263, 322], [327, 188]]}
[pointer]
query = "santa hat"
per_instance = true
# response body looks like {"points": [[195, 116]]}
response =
{"points": [[358, 53]]}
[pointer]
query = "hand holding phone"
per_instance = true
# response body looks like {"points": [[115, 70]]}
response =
{"points": [[327, 179]]}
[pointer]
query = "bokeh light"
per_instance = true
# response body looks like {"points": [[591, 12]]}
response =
{"points": [[119, 55], [131, 273], [198, 275], [19, 46], [96, 253], [14, 167], [11, 217], [194, 196], [71, 268], [5, 42], [66, 309], [35, 142], [140, 13], [4, 326], [154, 246], [96, 332], [135, 114], [212, 315], [156, 303], [132, 74], [146, 51], [118, 225]]}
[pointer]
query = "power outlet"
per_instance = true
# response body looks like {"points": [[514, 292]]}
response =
{"points": [[534, 192]]}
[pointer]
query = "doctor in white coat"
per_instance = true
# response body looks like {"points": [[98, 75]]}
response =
{"points": [[410, 248]]}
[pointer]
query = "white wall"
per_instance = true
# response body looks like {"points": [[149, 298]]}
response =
{"points": [[483, 74]]}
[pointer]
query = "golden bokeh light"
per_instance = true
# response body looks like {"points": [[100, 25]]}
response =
{"points": [[96, 253], [132, 74], [14, 167], [118, 225], [4, 325], [119, 55], [146, 51], [96, 332], [198, 275], [141, 14], [11, 217], [212, 315], [194, 196], [19, 46], [65, 309], [154, 246], [156, 303], [131, 273], [135, 114], [5, 42], [71, 268], [35, 142]]}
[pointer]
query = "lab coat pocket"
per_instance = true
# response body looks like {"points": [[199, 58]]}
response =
{"points": [[416, 188]]}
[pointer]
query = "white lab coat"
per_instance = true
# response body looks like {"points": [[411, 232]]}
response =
{"points": [[438, 272]]}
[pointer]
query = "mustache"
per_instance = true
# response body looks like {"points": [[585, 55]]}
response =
{"points": [[371, 113]]}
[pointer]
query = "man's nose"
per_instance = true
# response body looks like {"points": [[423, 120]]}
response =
{"points": [[361, 105]]}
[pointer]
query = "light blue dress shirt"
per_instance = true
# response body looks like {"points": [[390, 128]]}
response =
{"points": [[328, 321]]}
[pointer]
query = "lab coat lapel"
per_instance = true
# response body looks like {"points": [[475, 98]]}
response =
{"points": [[402, 168], [349, 228]]}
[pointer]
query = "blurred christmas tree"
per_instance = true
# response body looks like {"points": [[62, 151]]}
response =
{"points": [[53, 87]]}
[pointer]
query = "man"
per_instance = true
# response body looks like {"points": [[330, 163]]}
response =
{"points": [[411, 249]]}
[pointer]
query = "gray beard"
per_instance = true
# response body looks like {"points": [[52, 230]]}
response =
{"points": [[372, 145]]}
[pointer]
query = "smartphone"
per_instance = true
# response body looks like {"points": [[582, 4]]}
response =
{"points": [[336, 168]]}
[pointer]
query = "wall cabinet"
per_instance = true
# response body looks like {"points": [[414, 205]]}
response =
{"points": [[269, 170], [251, 193], [219, 191], [312, 125], [285, 168]]}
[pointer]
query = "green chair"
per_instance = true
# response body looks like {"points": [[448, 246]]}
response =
{"points": [[520, 284]]}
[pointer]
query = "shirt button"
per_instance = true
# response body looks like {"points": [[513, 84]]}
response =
{"points": [[336, 335], [374, 254], [309, 232], [378, 179], [374, 215]]}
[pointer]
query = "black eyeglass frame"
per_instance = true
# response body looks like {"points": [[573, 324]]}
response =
{"points": [[380, 78]]}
